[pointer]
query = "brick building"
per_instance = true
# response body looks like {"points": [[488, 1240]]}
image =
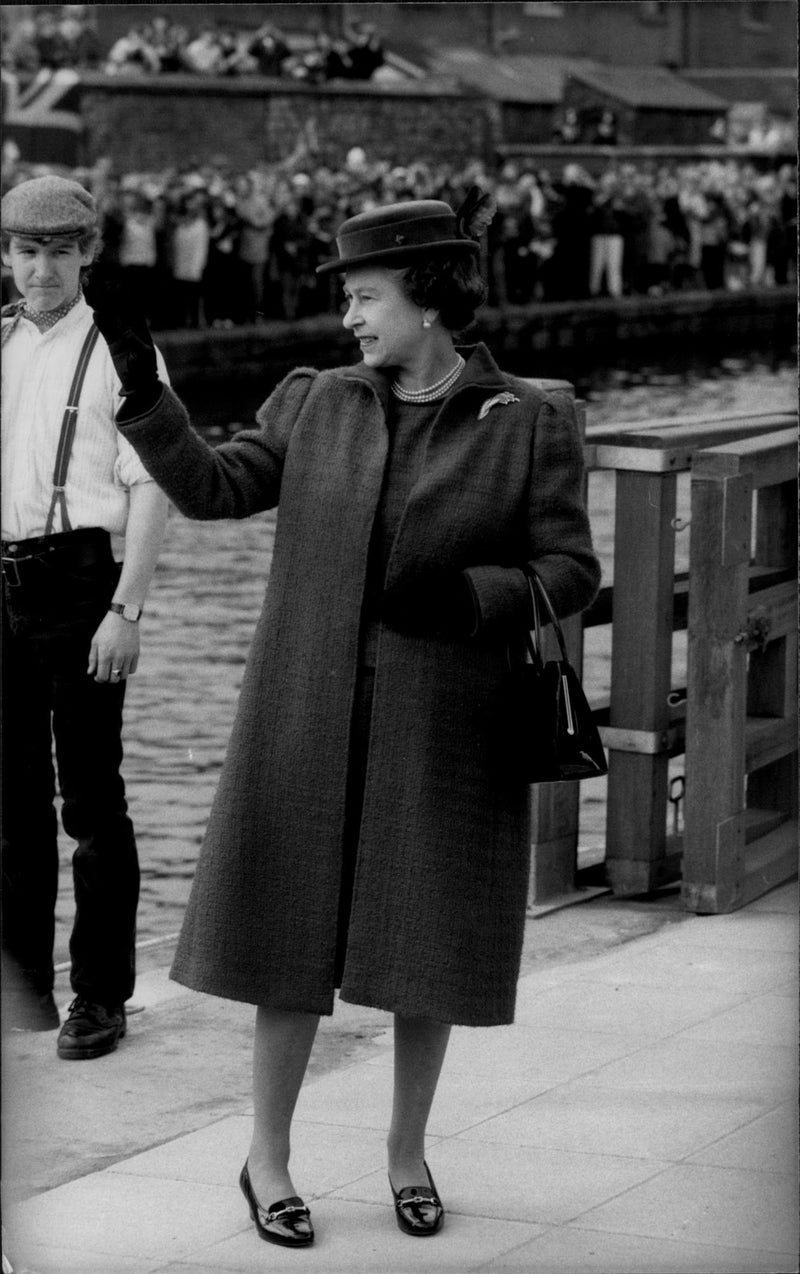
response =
{"points": [[469, 79]]}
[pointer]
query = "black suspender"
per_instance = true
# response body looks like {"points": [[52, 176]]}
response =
{"points": [[67, 436]]}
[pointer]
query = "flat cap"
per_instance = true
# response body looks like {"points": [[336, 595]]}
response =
{"points": [[46, 206]]}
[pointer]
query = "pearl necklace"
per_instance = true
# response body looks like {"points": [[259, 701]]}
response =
{"points": [[438, 390]]}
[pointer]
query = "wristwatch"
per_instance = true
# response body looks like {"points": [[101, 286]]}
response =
{"points": [[128, 610]]}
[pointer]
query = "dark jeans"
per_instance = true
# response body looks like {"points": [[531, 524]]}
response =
{"points": [[49, 619]]}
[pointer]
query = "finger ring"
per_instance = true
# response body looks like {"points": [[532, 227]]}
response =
{"points": [[115, 672]]}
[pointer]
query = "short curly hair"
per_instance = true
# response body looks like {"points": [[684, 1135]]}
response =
{"points": [[450, 284]]}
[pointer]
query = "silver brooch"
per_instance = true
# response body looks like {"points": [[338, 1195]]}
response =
{"points": [[503, 399]]}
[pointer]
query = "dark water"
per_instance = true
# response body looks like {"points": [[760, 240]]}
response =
{"points": [[207, 595]]}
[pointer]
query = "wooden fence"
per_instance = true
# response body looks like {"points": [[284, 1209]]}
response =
{"points": [[644, 722], [741, 725]]}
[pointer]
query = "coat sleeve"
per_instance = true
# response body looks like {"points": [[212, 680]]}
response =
{"points": [[559, 536], [237, 478]]}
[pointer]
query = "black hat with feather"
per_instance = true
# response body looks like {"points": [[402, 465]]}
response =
{"points": [[397, 233]]}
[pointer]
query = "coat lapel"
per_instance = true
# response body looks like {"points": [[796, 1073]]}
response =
{"points": [[428, 527], [459, 438]]}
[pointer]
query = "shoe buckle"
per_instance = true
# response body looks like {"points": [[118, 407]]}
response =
{"points": [[276, 1216]]}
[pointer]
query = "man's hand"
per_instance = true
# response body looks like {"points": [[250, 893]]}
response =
{"points": [[125, 331], [114, 652]]}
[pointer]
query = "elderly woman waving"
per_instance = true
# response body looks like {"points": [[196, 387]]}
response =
{"points": [[367, 834]]}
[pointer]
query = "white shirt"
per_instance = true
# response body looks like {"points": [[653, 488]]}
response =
{"points": [[37, 372], [190, 240], [138, 245]]}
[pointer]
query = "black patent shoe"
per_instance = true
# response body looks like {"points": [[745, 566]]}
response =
{"points": [[279, 1223], [409, 1204], [91, 1030]]}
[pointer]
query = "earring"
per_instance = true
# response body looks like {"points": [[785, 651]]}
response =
{"points": [[426, 322]]}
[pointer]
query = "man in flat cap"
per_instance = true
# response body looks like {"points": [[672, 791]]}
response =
{"points": [[75, 499]]}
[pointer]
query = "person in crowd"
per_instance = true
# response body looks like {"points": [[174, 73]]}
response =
{"points": [[605, 132], [291, 254], [607, 244], [73, 491], [309, 65], [693, 203], [715, 233], [659, 252], [203, 54], [568, 128], [540, 248], [760, 221], [52, 47], [108, 202], [736, 270], [554, 258], [269, 50], [256, 218], [189, 245], [162, 46], [571, 231], [666, 190], [782, 247], [634, 188], [364, 49], [221, 282], [132, 52], [82, 46], [369, 832], [138, 249], [167, 41], [19, 48], [332, 59]]}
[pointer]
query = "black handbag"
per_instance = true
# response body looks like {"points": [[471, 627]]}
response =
{"points": [[557, 736]]}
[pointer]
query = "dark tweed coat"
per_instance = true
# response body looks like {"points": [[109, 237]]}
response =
{"points": [[441, 882]]}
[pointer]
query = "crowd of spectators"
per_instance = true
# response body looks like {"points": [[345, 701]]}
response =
{"points": [[162, 46], [64, 36], [211, 246], [52, 38]]}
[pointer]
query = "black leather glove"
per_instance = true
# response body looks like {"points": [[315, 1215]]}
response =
{"points": [[125, 331], [437, 604]]}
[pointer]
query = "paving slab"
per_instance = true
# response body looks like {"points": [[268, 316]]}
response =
{"points": [[765, 1019], [117, 1215], [566, 1250], [547, 1055], [767, 1144], [362, 1098], [590, 1119], [756, 1210], [517, 1183], [746, 930], [628, 1121], [598, 1002], [748, 1073], [360, 1237]]}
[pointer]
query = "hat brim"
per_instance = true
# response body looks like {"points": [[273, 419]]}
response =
{"points": [[404, 253], [44, 236]]}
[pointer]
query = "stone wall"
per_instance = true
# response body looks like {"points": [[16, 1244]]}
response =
{"points": [[174, 119]]}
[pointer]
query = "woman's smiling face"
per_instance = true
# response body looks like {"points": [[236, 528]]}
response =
{"points": [[384, 321]]}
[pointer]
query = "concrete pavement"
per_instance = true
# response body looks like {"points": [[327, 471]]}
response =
{"points": [[640, 1115]]}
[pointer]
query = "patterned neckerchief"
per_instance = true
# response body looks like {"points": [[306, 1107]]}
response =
{"points": [[45, 319]]}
